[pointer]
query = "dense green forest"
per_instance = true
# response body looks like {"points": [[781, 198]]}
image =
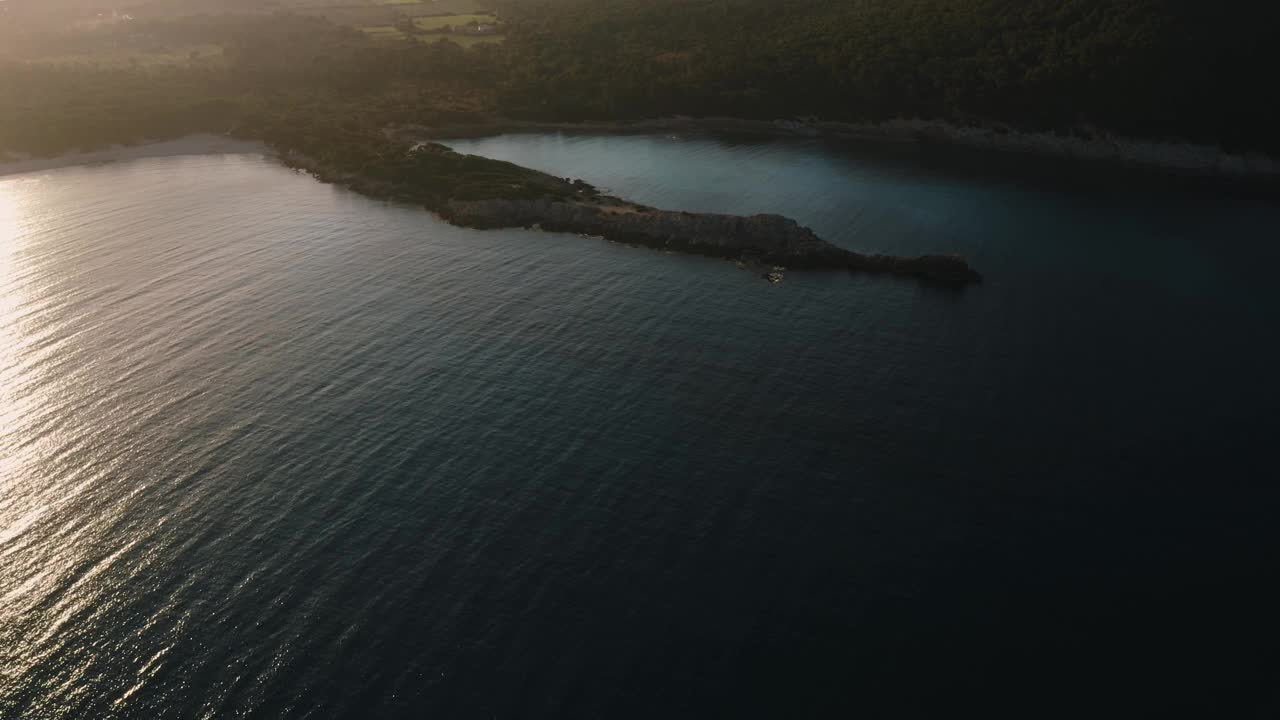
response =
{"points": [[1138, 67], [1163, 69]]}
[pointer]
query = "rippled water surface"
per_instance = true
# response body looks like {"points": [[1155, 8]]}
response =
{"points": [[271, 449]]}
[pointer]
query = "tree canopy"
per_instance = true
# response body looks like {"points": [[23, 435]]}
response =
{"points": [[1160, 69]]}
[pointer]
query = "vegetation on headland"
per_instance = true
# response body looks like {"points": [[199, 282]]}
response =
{"points": [[428, 173]]}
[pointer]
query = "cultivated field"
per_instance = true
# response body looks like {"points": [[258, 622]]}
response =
{"points": [[465, 41], [445, 7], [120, 57], [356, 15], [389, 33], [435, 22]]}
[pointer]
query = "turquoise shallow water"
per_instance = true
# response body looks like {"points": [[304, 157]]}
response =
{"points": [[272, 449]]}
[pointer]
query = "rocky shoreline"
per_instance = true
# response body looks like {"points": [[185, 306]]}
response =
{"points": [[763, 240]]}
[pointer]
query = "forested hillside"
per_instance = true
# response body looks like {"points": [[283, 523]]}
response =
{"points": [[1160, 69], [1138, 67]]}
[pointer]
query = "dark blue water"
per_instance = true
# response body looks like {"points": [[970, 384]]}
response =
{"points": [[271, 449]]}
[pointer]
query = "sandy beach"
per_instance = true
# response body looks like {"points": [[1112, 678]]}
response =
{"points": [[189, 145]]}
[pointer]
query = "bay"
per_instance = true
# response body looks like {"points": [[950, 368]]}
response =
{"points": [[272, 449]]}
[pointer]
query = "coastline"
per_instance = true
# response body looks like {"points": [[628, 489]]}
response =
{"points": [[198, 144], [1174, 158], [1091, 146], [416, 169]]}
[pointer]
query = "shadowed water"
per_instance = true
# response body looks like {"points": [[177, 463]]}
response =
{"points": [[271, 449]]}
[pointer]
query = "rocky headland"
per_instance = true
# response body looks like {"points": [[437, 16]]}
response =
{"points": [[477, 192], [766, 240]]}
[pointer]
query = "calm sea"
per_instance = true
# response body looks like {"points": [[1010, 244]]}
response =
{"points": [[270, 449]]}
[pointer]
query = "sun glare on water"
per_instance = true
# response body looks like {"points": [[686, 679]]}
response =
{"points": [[12, 455], [10, 212], [19, 450], [31, 566]]}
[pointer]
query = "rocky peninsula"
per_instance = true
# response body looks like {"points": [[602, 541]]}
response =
{"points": [[478, 192], [767, 240]]}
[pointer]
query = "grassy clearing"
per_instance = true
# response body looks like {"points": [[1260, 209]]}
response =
{"points": [[356, 16], [186, 55], [465, 41], [435, 22], [445, 7], [383, 33]]}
